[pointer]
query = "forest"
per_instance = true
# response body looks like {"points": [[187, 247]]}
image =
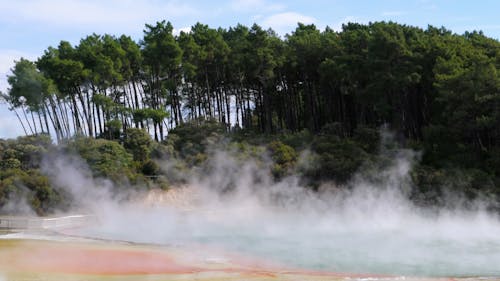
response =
{"points": [[331, 92]]}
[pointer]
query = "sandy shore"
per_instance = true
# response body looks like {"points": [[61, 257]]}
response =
{"points": [[32, 259]]}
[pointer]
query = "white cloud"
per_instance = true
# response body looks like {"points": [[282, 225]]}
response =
{"points": [[256, 18], [427, 4], [256, 5], [286, 22], [338, 25], [186, 29], [93, 13]]}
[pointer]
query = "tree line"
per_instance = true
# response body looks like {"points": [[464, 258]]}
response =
{"points": [[428, 85]]}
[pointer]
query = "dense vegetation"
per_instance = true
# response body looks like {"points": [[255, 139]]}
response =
{"points": [[324, 91]]}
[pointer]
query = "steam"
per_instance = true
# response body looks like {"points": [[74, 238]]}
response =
{"points": [[17, 204], [74, 176], [369, 226]]}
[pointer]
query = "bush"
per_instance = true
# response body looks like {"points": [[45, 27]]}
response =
{"points": [[105, 158], [30, 155], [11, 154], [9, 185], [150, 168], [31, 187], [298, 140], [41, 140], [338, 159], [112, 129], [44, 199], [29, 150], [138, 142], [194, 137], [451, 186], [10, 163], [282, 154], [163, 150], [367, 138], [284, 157]]}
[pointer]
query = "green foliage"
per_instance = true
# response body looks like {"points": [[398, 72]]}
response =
{"points": [[39, 140], [28, 85], [139, 143], [44, 199], [245, 151], [327, 91], [438, 186], [338, 159], [156, 115], [25, 152], [112, 129], [105, 158], [10, 190], [367, 138], [194, 137], [17, 185], [150, 168], [299, 140], [492, 163], [284, 158], [10, 163], [161, 51]]}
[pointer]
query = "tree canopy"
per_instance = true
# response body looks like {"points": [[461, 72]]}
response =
{"points": [[434, 88]]}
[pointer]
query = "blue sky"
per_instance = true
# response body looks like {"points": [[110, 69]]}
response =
{"points": [[28, 27]]}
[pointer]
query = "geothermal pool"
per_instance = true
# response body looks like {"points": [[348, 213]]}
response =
{"points": [[247, 236], [258, 230], [404, 244], [255, 244]]}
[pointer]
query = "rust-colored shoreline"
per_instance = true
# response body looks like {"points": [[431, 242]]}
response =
{"points": [[31, 256], [86, 258]]}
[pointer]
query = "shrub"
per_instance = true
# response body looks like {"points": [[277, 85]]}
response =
{"points": [[194, 137], [105, 158], [338, 159], [138, 142], [10, 163], [284, 157], [150, 168]]}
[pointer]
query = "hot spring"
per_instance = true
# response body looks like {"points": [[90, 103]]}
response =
{"points": [[381, 240], [369, 228]]}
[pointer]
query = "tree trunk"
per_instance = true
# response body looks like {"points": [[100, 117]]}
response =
{"points": [[20, 121], [27, 120]]}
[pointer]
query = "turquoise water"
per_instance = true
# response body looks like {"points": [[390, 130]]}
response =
{"points": [[408, 245], [382, 253]]}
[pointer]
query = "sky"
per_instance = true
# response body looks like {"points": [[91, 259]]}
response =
{"points": [[28, 27]]}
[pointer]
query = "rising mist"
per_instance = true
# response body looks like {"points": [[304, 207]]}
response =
{"points": [[367, 226]]}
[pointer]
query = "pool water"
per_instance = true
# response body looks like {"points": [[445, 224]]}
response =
{"points": [[413, 246]]}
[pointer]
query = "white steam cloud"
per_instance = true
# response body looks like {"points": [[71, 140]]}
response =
{"points": [[368, 227]]}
